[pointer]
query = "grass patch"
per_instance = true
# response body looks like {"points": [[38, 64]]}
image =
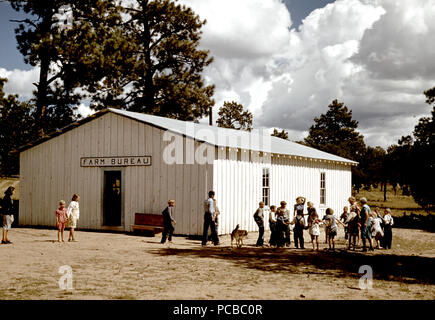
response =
{"points": [[407, 213]]}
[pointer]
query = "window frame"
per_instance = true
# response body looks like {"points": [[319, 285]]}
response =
{"points": [[322, 200], [265, 186]]}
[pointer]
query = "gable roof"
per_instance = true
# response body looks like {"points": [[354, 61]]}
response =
{"points": [[221, 137]]}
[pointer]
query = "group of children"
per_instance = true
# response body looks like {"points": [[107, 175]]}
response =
{"points": [[67, 218], [359, 223]]}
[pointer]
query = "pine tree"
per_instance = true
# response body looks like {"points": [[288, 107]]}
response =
{"points": [[280, 134], [232, 115], [16, 129], [335, 132]]}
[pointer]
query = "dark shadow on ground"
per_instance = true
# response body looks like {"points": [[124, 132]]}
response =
{"points": [[341, 263]]}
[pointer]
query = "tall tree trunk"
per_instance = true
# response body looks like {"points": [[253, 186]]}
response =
{"points": [[385, 191], [41, 97], [148, 84]]}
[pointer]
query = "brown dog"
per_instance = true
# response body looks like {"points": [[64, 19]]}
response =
{"points": [[238, 235]]}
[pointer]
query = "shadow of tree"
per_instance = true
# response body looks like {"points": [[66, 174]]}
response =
{"points": [[406, 269]]}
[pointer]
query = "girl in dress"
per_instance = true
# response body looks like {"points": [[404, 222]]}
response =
{"points": [[73, 213], [61, 219], [377, 232], [313, 225]]}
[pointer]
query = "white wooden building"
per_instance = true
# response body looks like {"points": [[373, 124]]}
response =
{"points": [[122, 162]]}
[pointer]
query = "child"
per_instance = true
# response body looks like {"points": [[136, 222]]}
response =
{"points": [[61, 219], [272, 226], [73, 213], [286, 213], [313, 224], [343, 218], [355, 209], [377, 232], [388, 228], [282, 223], [215, 219], [331, 221], [298, 230], [299, 206], [353, 227]]}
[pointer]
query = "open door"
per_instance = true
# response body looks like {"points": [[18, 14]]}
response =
{"points": [[112, 202]]}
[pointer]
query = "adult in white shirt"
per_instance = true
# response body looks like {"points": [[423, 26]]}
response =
{"points": [[73, 213], [259, 220], [209, 220]]}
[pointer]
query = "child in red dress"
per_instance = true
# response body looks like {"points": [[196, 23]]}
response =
{"points": [[61, 219]]}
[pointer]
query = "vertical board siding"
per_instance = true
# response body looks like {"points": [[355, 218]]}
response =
{"points": [[289, 178], [51, 171]]}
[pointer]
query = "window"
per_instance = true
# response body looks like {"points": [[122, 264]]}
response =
{"points": [[322, 188], [266, 187]]}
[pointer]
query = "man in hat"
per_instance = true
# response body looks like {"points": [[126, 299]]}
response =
{"points": [[168, 222]]}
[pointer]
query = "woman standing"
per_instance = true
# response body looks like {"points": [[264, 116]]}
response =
{"points": [[73, 213], [7, 213]]}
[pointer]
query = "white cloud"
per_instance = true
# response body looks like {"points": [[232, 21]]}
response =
{"points": [[243, 36], [20, 81], [374, 55], [329, 57]]}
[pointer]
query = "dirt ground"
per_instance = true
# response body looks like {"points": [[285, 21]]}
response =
{"points": [[120, 266]]}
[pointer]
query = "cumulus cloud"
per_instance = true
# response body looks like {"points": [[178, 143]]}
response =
{"points": [[20, 81], [374, 55], [243, 37]]}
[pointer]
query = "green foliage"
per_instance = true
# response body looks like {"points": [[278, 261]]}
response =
{"points": [[16, 129], [141, 56], [280, 134], [422, 175], [41, 39], [232, 115], [411, 162], [335, 132], [165, 64], [372, 166]]}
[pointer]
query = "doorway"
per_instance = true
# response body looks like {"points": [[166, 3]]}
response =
{"points": [[112, 201]]}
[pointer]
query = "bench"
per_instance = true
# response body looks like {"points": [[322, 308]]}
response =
{"points": [[148, 222]]}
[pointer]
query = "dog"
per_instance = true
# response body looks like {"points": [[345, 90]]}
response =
{"points": [[238, 235]]}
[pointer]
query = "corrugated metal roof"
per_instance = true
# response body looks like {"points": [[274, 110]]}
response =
{"points": [[256, 140]]}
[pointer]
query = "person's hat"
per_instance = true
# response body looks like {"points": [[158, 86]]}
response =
{"points": [[363, 200]]}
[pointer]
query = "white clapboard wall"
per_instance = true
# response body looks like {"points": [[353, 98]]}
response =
{"points": [[51, 171], [238, 185]]}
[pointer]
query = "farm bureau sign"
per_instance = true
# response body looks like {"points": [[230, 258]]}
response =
{"points": [[115, 161]]}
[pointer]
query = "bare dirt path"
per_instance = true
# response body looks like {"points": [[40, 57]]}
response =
{"points": [[120, 266]]}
